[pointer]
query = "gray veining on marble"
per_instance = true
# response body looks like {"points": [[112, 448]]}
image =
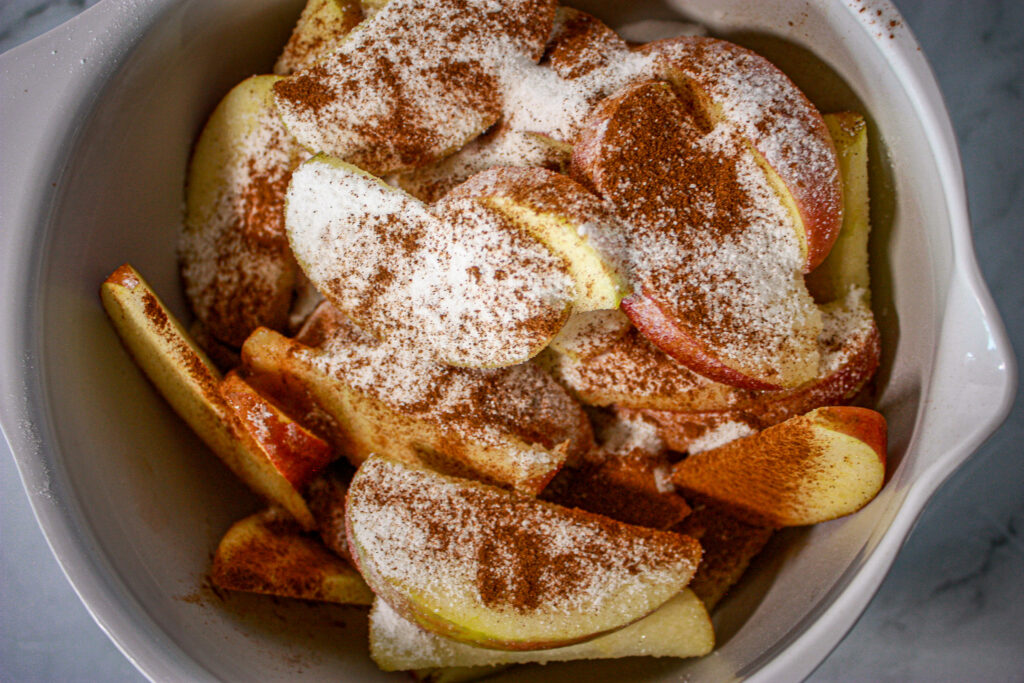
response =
{"points": [[951, 608]]}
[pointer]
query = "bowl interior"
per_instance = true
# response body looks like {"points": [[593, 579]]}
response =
{"points": [[156, 502]]}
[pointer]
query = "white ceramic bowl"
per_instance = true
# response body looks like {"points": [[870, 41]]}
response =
{"points": [[98, 119]]}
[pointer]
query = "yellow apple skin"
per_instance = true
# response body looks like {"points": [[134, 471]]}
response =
{"points": [[189, 381], [269, 553], [808, 469]]}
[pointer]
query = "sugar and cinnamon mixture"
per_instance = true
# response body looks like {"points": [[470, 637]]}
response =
{"points": [[458, 541], [235, 262]]}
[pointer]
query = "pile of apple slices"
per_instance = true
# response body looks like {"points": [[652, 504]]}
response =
{"points": [[465, 574], [529, 339]]}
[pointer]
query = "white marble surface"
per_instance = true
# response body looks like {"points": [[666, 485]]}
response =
{"points": [[952, 609]]}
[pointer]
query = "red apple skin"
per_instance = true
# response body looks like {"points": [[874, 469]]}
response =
{"points": [[662, 331], [293, 450]]}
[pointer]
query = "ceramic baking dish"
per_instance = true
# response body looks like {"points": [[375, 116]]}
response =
{"points": [[98, 119]]}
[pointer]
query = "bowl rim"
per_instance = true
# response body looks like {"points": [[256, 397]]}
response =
{"points": [[83, 60]]}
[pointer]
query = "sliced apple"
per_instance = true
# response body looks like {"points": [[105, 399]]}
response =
{"points": [[321, 26], [457, 282], [235, 262], [269, 553], [679, 628], [390, 98], [514, 426], [847, 264], [493, 568], [729, 544], [725, 83], [293, 450], [567, 218], [715, 262], [808, 469], [188, 380]]}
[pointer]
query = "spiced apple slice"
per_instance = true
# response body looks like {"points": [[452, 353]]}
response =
{"points": [[456, 281], [497, 569], [724, 83], [235, 262], [679, 628], [320, 28], [415, 83], [716, 263], [808, 469]]}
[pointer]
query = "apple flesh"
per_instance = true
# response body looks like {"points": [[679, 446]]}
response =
{"points": [[808, 469], [846, 266], [321, 26], [719, 80], [497, 569], [346, 106], [269, 553], [679, 628], [190, 383]]}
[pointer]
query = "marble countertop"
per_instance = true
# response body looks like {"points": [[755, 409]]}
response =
{"points": [[952, 607]]}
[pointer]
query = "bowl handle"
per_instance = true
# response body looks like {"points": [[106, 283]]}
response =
{"points": [[975, 377]]}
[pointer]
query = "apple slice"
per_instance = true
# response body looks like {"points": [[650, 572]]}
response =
{"points": [[503, 570], [808, 469], [321, 26], [847, 264], [512, 426], [725, 83], [269, 553], [235, 262], [679, 628], [729, 544], [188, 380], [715, 262], [850, 354], [456, 282], [414, 83], [293, 450], [567, 218]]}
